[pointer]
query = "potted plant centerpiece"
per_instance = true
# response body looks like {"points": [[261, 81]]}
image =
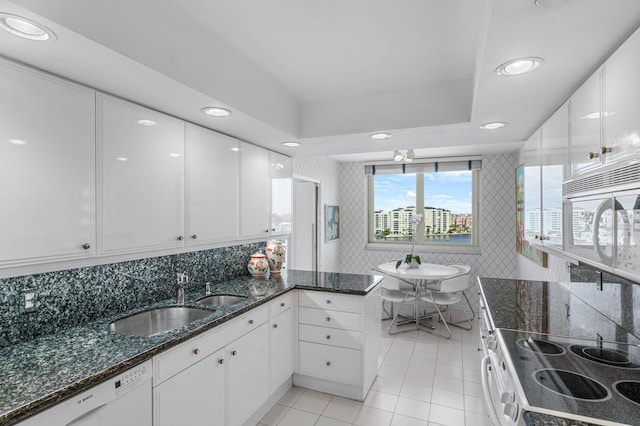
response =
{"points": [[413, 260]]}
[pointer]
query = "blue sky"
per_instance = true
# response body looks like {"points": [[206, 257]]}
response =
{"points": [[448, 190]]}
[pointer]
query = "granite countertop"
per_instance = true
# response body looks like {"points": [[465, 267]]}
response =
{"points": [[40, 373], [560, 309]]}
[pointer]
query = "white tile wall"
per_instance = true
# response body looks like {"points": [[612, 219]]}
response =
{"points": [[345, 184], [497, 223], [327, 172]]}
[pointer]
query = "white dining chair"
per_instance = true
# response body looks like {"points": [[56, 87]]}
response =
{"points": [[396, 296], [464, 269], [451, 292]]}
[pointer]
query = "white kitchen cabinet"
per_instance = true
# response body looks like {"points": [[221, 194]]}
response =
{"points": [[47, 167], [212, 186], [254, 191], [338, 342], [281, 193], [281, 341], [532, 188], [554, 163], [195, 396], [586, 126], [248, 374], [622, 102], [265, 192], [141, 178]]}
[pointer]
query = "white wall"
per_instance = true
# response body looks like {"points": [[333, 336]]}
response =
{"points": [[326, 171]]}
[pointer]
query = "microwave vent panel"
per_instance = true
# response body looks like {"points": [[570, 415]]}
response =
{"points": [[620, 178]]}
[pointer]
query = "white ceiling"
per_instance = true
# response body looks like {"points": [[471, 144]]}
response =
{"points": [[330, 73]]}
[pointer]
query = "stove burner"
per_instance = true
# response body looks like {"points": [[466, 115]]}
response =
{"points": [[629, 390], [541, 346], [612, 357], [571, 384]]}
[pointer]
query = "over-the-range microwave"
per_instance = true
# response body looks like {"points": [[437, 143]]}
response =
{"points": [[602, 219]]}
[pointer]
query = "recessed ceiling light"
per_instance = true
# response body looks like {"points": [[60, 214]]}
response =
{"points": [[122, 159], [25, 28], [493, 125], [598, 114], [291, 144], [17, 142], [550, 3], [174, 154], [381, 136], [519, 66], [147, 123], [234, 149], [216, 111]]}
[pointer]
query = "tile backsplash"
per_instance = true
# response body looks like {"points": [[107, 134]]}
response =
{"points": [[68, 298]]}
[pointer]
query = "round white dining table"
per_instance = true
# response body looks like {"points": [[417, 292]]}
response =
{"points": [[425, 271], [425, 276]]}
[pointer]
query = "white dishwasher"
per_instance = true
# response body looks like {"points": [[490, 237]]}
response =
{"points": [[123, 400]]}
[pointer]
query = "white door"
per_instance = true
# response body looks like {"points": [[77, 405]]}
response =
{"points": [[304, 240]]}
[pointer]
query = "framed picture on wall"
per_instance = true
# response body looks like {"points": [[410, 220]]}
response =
{"points": [[332, 223]]}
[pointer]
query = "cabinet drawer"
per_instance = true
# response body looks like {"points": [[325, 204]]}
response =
{"points": [[326, 300], [332, 319], [171, 362], [281, 304], [330, 362], [330, 336]]}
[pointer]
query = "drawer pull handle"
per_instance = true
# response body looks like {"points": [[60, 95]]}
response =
{"points": [[328, 337], [328, 363], [275, 325], [196, 351], [234, 353], [221, 361], [282, 304], [328, 301], [328, 319], [251, 321]]}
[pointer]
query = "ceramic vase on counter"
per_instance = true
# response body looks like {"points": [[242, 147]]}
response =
{"points": [[258, 265], [275, 253]]}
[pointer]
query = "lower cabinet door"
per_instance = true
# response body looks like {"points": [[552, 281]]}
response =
{"points": [[248, 374], [329, 362], [281, 349], [196, 396]]}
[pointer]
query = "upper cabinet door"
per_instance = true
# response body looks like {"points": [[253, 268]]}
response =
{"points": [[554, 162], [212, 186], [141, 181], [281, 190], [254, 191], [532, 188], [586, 112], [47, 167], [622, 102]]}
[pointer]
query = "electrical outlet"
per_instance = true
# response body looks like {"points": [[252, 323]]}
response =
{"points": [[30, 300]]}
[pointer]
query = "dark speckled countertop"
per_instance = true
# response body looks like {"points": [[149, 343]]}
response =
{"points": [[37, 374], [558, 309]]}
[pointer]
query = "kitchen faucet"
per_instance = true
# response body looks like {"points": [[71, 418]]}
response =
{"points": [[182, 280]]}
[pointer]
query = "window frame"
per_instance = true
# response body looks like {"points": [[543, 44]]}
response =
{"points": [[421, 246]]}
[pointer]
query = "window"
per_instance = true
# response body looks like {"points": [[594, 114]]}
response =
{"points": [[444, 192]]}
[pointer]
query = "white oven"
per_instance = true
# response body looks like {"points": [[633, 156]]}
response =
{"points": [[504, 402]]}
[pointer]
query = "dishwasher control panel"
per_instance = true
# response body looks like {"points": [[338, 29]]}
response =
{"points": [[131, 378]]}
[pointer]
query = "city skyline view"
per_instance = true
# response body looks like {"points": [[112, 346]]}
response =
{"points": [[444, 190]]}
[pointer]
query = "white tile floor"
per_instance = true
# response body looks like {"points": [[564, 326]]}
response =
{"points": [[423, 380]]}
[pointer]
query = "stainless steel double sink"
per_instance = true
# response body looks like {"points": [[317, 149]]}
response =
{"points": [[156, 321]]}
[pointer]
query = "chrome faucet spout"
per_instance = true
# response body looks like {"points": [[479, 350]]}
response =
{"points": [[182, 280]]}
